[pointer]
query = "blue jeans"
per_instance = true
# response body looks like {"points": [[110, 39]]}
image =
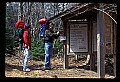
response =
{"points": [[26, 56], [48, 47]]}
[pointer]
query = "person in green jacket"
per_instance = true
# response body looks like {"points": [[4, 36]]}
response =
{"points": [[50, 35]]}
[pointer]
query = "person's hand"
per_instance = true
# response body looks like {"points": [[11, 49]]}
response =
{"points": [[58, 32], [25, 45], [28, 47], [62, 33]]}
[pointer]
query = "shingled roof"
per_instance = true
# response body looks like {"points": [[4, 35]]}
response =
{"points": [[74, 11]]}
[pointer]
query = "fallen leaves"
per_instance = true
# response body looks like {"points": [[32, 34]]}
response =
{"points": [[13, 68]]}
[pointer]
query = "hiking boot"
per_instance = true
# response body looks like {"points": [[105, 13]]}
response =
{"points": [[26, 70], [47, 68]]}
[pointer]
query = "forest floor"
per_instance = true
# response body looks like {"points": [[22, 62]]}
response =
{"points": [[77, 69]]}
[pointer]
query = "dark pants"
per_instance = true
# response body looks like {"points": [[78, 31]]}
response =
{"points": [[21, 45]]}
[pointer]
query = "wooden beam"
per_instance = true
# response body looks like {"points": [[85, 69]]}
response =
{"points": [[100, 44], [92, 56], [66, 60], [114, 46]]}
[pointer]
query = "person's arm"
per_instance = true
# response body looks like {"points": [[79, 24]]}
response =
{"points": [[56, 35], [49, 34], [26, 39]]}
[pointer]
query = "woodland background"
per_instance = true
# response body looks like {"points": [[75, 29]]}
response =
{"points": [[31, 12]]}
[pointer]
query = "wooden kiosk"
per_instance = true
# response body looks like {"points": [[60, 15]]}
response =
{"points": [[88, 31]]}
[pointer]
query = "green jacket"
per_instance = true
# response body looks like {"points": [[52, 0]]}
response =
{"points": [[50, 35]]}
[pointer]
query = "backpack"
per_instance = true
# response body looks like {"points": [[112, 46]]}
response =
{"points": [[19, 33], [20, 23], [43, 20], [20, 30], [43, 27]]}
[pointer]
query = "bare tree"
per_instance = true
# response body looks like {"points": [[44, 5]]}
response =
{"points": [[21, 10]]}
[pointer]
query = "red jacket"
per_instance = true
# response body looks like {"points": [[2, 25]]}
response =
{"points": [[27, 39]]}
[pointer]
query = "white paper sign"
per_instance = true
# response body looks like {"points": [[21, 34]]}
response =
{"points": [[78, 38]]}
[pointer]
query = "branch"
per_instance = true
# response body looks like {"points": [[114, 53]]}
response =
{"points": [[107, 14]]}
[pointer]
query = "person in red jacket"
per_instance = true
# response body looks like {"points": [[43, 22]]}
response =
{"points": [[27, 46]]}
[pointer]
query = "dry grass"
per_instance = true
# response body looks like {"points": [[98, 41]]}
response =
{"points": [[13, 68]]}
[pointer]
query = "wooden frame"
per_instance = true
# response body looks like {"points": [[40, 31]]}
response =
{"points": [[94, 37]]}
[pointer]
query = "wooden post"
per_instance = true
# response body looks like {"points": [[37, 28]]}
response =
{"points": [[76, 56], [114, 56], [100, 44], [66, 62], [65, 56], [114, 47], [92, 61]]}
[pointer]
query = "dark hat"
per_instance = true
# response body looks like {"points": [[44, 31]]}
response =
{"points": [[27, 26], [51, 23]]}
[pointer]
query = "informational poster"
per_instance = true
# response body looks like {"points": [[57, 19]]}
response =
{"points": [[78, 38]]}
